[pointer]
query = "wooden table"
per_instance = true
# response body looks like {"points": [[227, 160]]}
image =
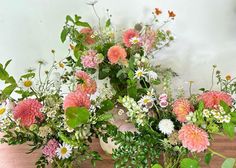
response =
{"points": [[15, 157]]}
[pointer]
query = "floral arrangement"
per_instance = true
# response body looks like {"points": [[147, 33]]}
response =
{"points": [[108, 88]]}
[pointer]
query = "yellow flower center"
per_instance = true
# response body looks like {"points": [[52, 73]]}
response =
{"points": [[28, 83], [146, 101], [61, 65], [140, 73], [63, 150], [2, 110]]}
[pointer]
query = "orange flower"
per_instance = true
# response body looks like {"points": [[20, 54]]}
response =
{"points": [[116, 53], [228, 77], [171, 14], [158, 11], [88, 32]]}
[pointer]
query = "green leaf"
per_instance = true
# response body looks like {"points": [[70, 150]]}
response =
{"points": [[233, 117], [104, 71], [225, 106], [189, 163], [228, 163], [108, 23], [28, 75], [104, 117], [229, 129], [69, 18], [201, 106], [3, 73], [8, 90], [107, 105], [64, 34], [208, 158], [7, 63], [157, 166], [76, 116], [132, 92]]}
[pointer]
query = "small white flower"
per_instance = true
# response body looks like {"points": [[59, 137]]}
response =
{"points": [[26, 84], [64, 151], [146, 101], [3, 111], [227, 118], [166, 126], [190, 116], [44, 131], [206, 113], [134, 40], [140, 73], [152, 75]]}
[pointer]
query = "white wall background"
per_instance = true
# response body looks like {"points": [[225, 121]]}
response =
{"points": [[205, 31]]}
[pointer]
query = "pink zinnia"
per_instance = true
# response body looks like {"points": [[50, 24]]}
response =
{"points": [[212, 99], [88, 32], [87, 84], [181, 108], [76, 99], [193, 138], [89, 60], [50, 149], [116, 54], [148, 40], [28, 111], [128, 35]]}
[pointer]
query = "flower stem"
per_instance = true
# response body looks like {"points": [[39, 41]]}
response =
{"points": [[216, 153]]}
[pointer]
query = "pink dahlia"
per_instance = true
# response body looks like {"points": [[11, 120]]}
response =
{"points": [[88, 32], [76, 99], [181, 108], [50, 149], [212, 99], [193, 138], [28, 112], [148, 40], [116, 54], [90, 59], [87, 84], [128, 35]]}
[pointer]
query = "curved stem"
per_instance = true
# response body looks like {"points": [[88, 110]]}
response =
{"points": [[216, 153]]}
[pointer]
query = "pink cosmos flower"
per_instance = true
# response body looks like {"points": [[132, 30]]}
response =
{"points": [[28, 112], [88, 32], [50, 149], [163, 96], [76, 99], [181, 108], [163, 103], [87, 84], [148, 40], [116, 54], [212, 99], [193, 138], [90, 59], [128, 35]]}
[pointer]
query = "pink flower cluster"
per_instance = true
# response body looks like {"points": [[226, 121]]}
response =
{"points": [[193, 138], [148, 40], [163, 100], [181, 108], [90, 60], [50, 149], [212, 99], [28, 112]]}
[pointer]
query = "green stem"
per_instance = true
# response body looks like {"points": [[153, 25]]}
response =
{"points": [[216, 153]]}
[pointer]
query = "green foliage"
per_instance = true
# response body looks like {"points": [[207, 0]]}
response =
{"points": [[76, 116], [157, 166], [208, 158], [189, 163], [229, 129], [229, 163]]}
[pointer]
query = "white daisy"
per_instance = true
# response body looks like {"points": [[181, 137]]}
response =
{"points": [[227, 118], [64, 151], [146, 101], [134, 40], [152, 75], [166, 126], [206, 113], [3, 111], [140, 73], [26, 84]]}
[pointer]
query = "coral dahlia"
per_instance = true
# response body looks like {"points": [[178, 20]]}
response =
{"points": [[76, 99], [116, 53], [28, 112], [212, 99], [88, 32], [181, 108], [87, 84], [193, 138]]}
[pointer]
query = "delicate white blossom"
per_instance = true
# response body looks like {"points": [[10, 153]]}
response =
{"points": [[166, 126]]}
